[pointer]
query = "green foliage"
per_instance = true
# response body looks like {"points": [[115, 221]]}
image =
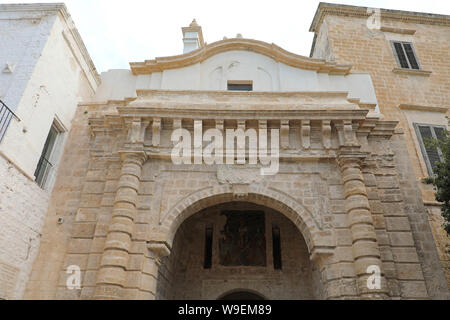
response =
{"points": [[441, 177]]}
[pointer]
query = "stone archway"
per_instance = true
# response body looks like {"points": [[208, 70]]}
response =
{"points": [[185, 275], [318, 240]]}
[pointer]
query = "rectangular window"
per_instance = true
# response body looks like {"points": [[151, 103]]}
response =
{"points": [[45, 167], [240, 86], [276, 243], [405, 55], [430, 154], [208, 247]]}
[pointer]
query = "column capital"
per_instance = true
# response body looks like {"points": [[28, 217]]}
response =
{"points": [[350, 154], [133, 156], [159, 249]]}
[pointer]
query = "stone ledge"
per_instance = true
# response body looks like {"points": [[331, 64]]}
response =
{"points": [[398, 30], [423, 108], [413, 72], [17, 166]]}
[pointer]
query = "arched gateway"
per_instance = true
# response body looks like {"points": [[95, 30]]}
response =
{"points": [[328, 222], [237, 244], [269, 197]]}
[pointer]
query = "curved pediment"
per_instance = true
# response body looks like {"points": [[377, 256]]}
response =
{"points": [[270, 50]]}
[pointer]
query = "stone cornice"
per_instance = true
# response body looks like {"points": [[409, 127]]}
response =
{"points": [[269, 50], [355, 11], [398, 30], [34, 7], [413, 72], [230, 99], [208, 99], [240, 105], [384, 128], [275, 94], [227, 104], [198, 114], [423, 108]]}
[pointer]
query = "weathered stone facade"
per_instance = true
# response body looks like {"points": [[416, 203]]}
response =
{"points": [[408, 96], [345, 197], [344, 181]]}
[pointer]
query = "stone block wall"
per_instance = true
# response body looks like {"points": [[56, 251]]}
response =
{"points": [[371, 51], [77, 209], [351, 213]]}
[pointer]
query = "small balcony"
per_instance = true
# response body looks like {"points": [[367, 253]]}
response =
{"points": [[6, 115]]}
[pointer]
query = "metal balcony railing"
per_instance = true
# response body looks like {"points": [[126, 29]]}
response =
{"points": [[5, 118]]}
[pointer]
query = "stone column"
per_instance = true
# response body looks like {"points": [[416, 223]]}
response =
{"points": [[365, 248], [112, 275]]}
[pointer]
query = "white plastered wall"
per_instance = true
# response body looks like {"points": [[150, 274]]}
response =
{"points": [[52, 88], [214, 73]]}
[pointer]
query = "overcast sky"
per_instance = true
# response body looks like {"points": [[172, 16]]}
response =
{"points": [[117, 32]]}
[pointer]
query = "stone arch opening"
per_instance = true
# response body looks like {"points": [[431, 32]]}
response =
{"points": [[242, 258], [315, 238]]}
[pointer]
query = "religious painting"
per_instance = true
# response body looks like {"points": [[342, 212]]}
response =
{"points": [[242, 240]]}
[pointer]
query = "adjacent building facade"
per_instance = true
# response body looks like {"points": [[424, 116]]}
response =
{"points": [[241, 170], [45, 72], [407, 56]]}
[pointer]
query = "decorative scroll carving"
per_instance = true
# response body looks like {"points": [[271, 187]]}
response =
{"points": [[176, 124], [326, 134], [144, 125], [136, 130], [306, 134], [156, 132], [219, 125], [198, 141], [347, 133], [240, 148], [284, 134]]}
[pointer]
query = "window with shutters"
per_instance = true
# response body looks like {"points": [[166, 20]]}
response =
{"points": [[405, 55], [430, 154], [46, 165]]}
